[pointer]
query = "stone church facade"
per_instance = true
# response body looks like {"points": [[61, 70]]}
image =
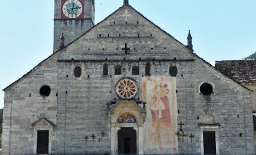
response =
{"points": [[123, 86]]}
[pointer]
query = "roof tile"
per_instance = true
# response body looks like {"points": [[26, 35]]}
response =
{"points": [[242, 71]]}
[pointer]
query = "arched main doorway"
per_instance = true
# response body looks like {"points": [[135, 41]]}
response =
{"points": [[127, 119], [127, 141]]}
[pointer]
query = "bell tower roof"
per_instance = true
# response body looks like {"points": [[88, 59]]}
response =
{"points": [[126, 2], [189, 45]]}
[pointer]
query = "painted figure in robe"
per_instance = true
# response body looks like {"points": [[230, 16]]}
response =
{"points": [[160, 111]]}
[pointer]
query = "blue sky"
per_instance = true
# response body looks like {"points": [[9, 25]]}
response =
{"points": [[221, 29]]}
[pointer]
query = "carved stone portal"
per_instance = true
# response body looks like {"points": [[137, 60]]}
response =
{"points": [[42, 136], [126, 115]]}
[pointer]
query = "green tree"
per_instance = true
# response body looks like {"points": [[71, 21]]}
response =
{"points": [[252, 56]]}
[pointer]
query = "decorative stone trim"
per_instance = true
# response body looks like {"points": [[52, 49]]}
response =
{"points": [[209, 127], [43, 124], [139, 114]]}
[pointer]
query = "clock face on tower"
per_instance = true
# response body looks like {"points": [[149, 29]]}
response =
{"points": [[72, 8]]}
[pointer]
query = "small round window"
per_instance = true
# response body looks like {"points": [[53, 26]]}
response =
{"points": [[77, 71], [45, 90], [206, 89]]}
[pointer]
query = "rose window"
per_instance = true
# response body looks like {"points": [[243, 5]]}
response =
{"points": [[126, 88]]}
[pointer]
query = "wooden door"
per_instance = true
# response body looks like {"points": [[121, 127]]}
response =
{"points": [[209, 142], [42, 141], [127, 141]]}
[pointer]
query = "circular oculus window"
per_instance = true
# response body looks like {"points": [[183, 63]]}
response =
{"points": [[126, 88], [45, 90], [206, 89]]}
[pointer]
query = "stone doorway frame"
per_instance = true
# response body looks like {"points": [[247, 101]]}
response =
{"points": [[209, 127], [43, 124], [114, 137], [126, 106]]}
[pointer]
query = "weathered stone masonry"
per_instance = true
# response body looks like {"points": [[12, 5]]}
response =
{"points": [[82, 107]]}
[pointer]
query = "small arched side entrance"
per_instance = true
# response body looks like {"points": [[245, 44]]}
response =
{"points": [[43, 129]]}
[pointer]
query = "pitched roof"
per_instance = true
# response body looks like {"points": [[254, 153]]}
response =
{"points": [[242, 71], [125, 5]]}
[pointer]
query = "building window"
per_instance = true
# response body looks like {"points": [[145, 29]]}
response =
{"points": [[206, 89], [173, 71], [254, 121], [147, 69], [105, 69], [45, 90], [77, 71], [135, 70], [118, 70]]}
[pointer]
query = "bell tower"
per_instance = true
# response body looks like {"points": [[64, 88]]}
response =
{"points": [[72, 18]]}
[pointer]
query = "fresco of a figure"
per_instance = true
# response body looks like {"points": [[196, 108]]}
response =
{"points": [[159, 93], [126, 118]]}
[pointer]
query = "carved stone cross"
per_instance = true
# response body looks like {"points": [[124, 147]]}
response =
{"points": [[93, 136], [126, 49], [126, 15], [178, 134], [191, 137], [86, 138], [181, 134], [181, 124], [103, 133]]}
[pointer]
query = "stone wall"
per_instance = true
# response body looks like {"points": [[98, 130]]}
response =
{"points": [[77, 105], [231, 107], [252, 87], [24, 105]]}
